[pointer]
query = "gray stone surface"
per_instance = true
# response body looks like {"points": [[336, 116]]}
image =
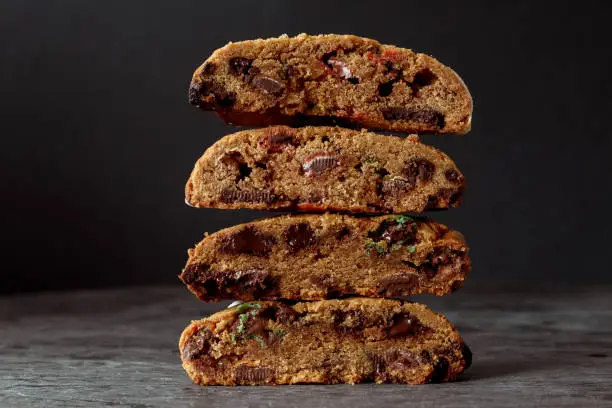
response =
{"points": [[118, 348]]}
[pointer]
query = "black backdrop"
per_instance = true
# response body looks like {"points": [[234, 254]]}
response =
{"points": [[98, 139]]}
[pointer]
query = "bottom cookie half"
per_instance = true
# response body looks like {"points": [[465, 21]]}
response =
{"points": [[350, 340]]}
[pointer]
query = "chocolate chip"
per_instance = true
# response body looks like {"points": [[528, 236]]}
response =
{"points": [[393, 231], [192, 272], [427, 116], [268, 85], [385, 88], [398, 284], [209, 68], [299, 236], [453, 175], [197, 344], [240, 66], [253, 375], [441, 256], [405, 324], [316, 164], [418, 171], [248, 240], [232, 195], [275, 139], [423, 78], [440, 371]]}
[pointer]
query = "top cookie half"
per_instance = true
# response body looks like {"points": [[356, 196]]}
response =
{"points": [[331, 79]]}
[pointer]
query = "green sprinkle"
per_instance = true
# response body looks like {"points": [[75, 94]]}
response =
{"points": [[412, 249], [279, 332], [401, 219], [243, 307], [370, 244], [243, 319], [259, 340]]}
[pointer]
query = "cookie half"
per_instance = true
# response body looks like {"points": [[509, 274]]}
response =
{"points": [[327, 342], [324, 169], [331, 79], [313, 257]]}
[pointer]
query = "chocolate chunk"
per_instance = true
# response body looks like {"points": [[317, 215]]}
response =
{"points": [[277, 138], [394, 230], [232, 195], [268, 85], [240, 66], [453, 175], [405, 324], [299, 236], [442, 256], [440, 371], [253, 375], [398, 284], [248, 241], [209, 68], [193, 272], [318, 163], [386, 88], [197, 345], [423, 78], [427, 116], [418, 171]]}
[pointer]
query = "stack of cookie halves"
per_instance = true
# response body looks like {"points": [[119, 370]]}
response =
{"points": [[319, 290]]}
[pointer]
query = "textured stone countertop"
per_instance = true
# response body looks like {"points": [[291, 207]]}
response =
{"points": [[119, 348]]}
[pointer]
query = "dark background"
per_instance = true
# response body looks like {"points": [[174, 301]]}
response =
{"points": [[98, 138]]}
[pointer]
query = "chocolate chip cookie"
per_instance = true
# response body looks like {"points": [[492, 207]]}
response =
{"points": [[312, 257], [324, 169], [331, 79], [327, 342]]}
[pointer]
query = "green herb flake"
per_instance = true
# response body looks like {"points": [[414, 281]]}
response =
{"points": [[259, 340], [243, 307], [279, 332], [370, 244], [402, 219]]}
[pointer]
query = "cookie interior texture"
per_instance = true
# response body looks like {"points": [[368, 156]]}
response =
{"points": [[324, 168], [332, 79], [334, 341], [312, 257]]}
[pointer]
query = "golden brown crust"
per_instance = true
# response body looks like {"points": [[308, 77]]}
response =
{"points": [[335, 341], [311, 257], [332, 79], [324, 169]]}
